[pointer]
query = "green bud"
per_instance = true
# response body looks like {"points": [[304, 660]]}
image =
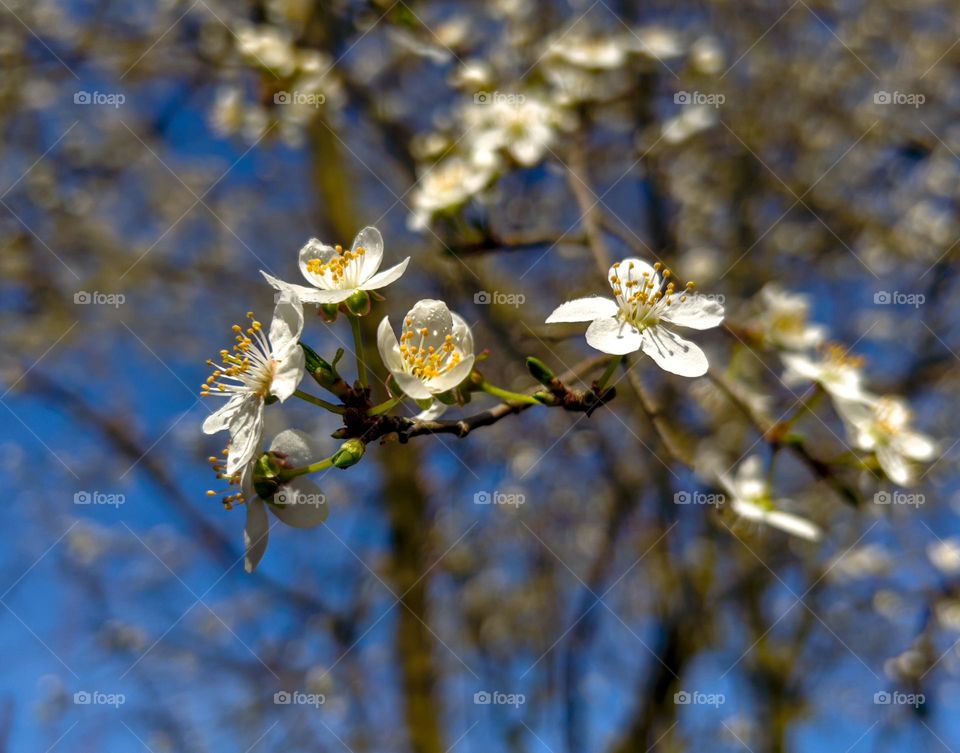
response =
{"points": [[358, 304], [265, 477], [546, 398], [325, 374], [540, 371], [349, 453], [329, 312]]}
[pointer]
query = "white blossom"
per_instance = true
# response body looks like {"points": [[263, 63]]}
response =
{"points": [[646, 301], [434, 353], [298, 502], [783, 319], [335, 273], [447, 185], [945, 555], [524, 126], [882, 425], [836, 371], [750, 498], [259, 366]]}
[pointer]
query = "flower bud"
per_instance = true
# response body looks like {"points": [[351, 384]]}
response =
{"points": [[325, 374], [329, 312], [547, 398], [349, 453], [540, 371], [358, 304]]}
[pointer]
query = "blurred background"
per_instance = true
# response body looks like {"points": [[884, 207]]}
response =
{"points": [[157, 155]]}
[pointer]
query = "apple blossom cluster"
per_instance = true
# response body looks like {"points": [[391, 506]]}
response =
{"points": [[431, 361]]}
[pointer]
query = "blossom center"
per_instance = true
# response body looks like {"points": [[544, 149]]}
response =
{"points": [[427, 361], [643, 299], [249, 367], [338, 265]]}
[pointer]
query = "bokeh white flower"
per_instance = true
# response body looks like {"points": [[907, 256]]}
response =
{"points": [[836, 371], [783, 319], [447, 185], [882, 425], [750, 498], [524, 126]]}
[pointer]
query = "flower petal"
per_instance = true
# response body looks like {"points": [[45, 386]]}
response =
{"points": [[696, 312], [305, 294], [612, 336], [372, 243], [894, 465], [314, 249], [433, 316], [583, 310], [453, 377], [288, 374], [633, 269], [221, 418], [384, 278], [298, 446], [389, 346], [246, 431], [750, 483], [432, 413], [674, 354], [255, 534], [917, 446], [792, 524], [300, 504], [410, 385], [290, 289], [286, 326], [462, 334]]}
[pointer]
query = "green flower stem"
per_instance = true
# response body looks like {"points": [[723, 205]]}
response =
{"points": [[611, 367], [512, 397], [358, 347], [385, 406], [320, 465], [319, 402]]}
